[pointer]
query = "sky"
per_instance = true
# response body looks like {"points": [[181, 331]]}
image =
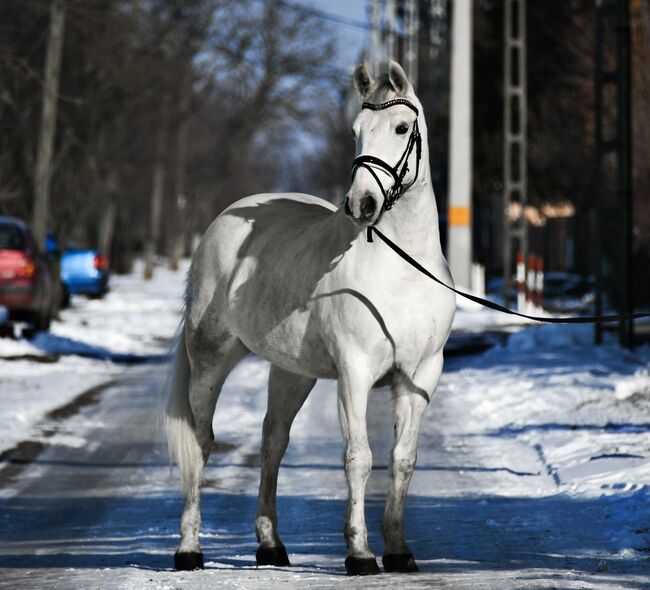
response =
{"points": [[352, 39]]}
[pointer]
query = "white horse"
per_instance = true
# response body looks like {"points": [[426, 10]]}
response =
{"points": [[294, 280]]}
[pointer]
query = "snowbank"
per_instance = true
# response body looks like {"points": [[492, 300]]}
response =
{"points": [[136, 317], [582, 408]]}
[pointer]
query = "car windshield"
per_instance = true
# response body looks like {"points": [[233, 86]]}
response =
{"points": [[11, 238]]}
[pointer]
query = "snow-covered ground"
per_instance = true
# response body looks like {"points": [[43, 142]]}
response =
{"points": [[136, 318], [135, 321], [534, 458]]}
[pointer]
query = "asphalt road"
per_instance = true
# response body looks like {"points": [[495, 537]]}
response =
{"points": [[95, 507]]}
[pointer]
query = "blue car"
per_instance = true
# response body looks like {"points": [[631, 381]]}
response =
{"points": [[84, 272]]}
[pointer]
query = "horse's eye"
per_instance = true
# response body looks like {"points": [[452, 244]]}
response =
{"points": [[402, 128]]}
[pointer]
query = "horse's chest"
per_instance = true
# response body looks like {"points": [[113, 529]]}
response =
{"points": [[413, 329], [396, 322]]}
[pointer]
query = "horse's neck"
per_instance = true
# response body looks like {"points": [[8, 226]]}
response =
{"points": [[413, 222]]}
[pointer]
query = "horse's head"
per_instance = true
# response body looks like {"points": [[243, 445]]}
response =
{"points": [[387, 132]]}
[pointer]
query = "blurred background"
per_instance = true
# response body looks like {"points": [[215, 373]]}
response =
{"points": [[128, 125]]}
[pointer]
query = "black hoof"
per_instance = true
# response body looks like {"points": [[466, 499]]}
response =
{"points": [[399, 562], [366, 566], [188, 562], [276, 556]]}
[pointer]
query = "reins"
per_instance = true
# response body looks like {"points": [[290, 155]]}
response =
{"points": [[490, 304], [392, 194]]}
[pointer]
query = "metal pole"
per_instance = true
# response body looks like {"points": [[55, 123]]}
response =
{"points": [[390, 29], [615, 16], [460, 146], [515, 160], [626, 328], [412, 18], [598, 172], [437, 13], [374, 15]]}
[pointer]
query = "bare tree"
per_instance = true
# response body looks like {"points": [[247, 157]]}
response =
{"points": [[43, 172], [244, 81]]}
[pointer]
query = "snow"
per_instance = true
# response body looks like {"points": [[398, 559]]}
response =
{"points": [[136, 319], [533, 465], [580, 406]]}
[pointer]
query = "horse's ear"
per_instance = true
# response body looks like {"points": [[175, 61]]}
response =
{"points": [[362, 80], [398, 79]]}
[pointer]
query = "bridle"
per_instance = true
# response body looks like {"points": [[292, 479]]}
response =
{"points": [[398, 172]]}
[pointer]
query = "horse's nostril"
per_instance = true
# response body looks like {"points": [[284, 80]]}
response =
{"points": [[368, 206], [346, 207]]}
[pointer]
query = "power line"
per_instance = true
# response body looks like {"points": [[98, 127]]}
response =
{"points": [[345, 21], [323, 14]]}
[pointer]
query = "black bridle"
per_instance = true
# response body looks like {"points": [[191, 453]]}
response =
{"points": [[398, 172]]}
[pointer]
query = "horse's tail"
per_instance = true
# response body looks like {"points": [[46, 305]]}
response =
{"points": [[179, 422]]}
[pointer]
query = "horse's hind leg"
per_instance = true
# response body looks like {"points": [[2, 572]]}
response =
{"points": [[287, 393], [207, 375]]}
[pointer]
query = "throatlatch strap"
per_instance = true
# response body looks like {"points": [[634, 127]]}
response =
{"points": [[490, 304]]}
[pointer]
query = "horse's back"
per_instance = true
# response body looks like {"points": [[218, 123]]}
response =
{"points": [[254, 249]]}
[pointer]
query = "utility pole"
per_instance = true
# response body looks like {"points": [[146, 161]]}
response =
{"points": [[389, 31], [43, 172], [613, 167], [437, 17], [460, 146], [411, 53], [374, 15], [515, 138]]}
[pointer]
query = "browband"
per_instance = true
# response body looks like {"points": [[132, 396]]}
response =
{"points": [[390, 103]]}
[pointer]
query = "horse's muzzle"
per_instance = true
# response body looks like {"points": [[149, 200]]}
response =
{"points": [[367, 209]]}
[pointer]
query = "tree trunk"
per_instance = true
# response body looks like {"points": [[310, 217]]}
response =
{"points": [[178, 239], [107, 223], [43, 172], [157, 191]]}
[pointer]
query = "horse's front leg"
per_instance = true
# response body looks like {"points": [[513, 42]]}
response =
{"points": [[354, 386], [411, 400]]}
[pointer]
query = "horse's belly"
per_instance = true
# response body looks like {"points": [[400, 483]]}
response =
{"points": [[293, 343]]}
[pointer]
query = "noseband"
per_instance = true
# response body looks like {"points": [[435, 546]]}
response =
{"points": [[398, 172]]}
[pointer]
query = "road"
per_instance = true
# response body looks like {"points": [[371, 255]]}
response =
{"points": [[96, 508]]}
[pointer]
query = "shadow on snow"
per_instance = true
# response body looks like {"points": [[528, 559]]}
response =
{"points": [[446, 534]]}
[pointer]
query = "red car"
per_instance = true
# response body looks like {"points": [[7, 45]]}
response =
{"points": [[26, 286]]}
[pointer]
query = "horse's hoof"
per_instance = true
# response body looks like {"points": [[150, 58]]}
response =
{"points": [[365, 566], [276, 556], [188, 561], [399, 562]]}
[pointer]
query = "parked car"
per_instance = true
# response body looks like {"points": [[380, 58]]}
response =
{"points": [[26, 285], [84, 272]]}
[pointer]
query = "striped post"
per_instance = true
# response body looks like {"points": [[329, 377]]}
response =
{"points": [[530, 284], [521, 283], [539, 284]]}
